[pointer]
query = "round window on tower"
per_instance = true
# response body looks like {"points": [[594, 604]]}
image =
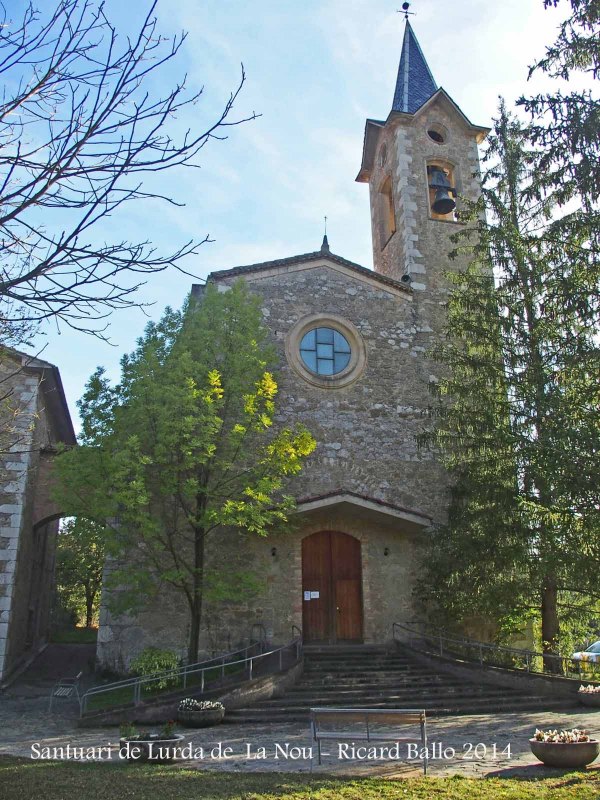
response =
{"points": [[326, 350], [437, 133]]}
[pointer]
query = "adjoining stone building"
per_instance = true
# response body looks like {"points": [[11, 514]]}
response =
{"points": [[353, 368], [35, 418]]}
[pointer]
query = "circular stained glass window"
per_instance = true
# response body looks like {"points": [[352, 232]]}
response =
{"points": [[325, 351]]}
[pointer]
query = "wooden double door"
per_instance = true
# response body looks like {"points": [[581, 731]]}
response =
{"points": [[331, 588]]}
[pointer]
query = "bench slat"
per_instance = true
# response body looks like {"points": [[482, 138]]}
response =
{"points": [[360, 736]]}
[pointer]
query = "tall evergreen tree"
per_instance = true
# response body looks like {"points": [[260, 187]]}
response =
{"points": [[182, 449], [519, 419], [566, 124]]}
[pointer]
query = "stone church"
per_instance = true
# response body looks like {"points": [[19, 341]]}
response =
{"points": [[353, 368]]}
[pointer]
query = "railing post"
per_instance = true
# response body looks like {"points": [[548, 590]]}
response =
{"points": [[201, 681], [223, 667], [280, 660], [441, 645], [250, 669], [185, 677], [480, 656]]}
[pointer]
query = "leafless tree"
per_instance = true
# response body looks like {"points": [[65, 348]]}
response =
{"points": [[81, 126]]}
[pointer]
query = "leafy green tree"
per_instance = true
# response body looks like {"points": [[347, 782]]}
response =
{"points": [[518, 423], [80, 554], [184, 447]]}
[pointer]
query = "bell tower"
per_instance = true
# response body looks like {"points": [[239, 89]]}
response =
{"points": [[419, 163]]}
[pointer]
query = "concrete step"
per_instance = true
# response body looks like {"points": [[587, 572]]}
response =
{"points": [[374, 678], [506, 706], [400, 699], [346, 671], [319, 679]]}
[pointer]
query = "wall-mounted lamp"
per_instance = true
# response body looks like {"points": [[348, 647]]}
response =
{"points": [[386, 551], [273, 551]]}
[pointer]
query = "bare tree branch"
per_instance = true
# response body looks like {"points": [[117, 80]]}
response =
{"points": [[81, 127]]}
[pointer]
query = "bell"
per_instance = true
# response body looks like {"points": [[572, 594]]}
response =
{"points": [[443, 203]]}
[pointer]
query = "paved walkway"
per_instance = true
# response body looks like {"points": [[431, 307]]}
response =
{"points": [[462, 745]]}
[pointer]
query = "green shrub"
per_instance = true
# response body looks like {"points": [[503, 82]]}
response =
{"points": [[152, 662]]}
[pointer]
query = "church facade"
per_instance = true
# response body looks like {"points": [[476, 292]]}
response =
{"points": [[354, 369]]}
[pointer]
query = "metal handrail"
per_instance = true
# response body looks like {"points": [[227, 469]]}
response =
{"points": [[299, 630], [485, 649], [209, 663], [203, 667]]}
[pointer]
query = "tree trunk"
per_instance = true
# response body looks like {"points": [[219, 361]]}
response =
{"points": [[550, 627], [196, 600], [89, 607]]}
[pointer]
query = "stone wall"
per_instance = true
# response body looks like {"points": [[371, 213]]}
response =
{"points": [[421, 244], [27, 515], [366, 445]]}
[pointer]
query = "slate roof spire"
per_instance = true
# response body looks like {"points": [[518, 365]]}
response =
{"points": [[415, 83]]}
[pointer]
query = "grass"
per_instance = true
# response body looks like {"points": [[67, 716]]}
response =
{"points": [[22, 779], [75, 636]]}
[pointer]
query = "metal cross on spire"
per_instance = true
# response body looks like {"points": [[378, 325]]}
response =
{"points": [[406, 12], [325, 245]]}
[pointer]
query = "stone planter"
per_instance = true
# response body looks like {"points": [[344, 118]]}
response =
{"points": [[568, 754], [155, 749], [589, 699], [191, 718]]}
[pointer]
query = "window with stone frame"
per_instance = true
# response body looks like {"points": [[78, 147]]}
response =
{"points": [[387, 213]]}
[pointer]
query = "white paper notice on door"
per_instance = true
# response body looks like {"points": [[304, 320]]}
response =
{"points": [[314, 595], [307, 595]]}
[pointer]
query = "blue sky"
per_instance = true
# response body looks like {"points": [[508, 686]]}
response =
{"points": [[315, 71]]}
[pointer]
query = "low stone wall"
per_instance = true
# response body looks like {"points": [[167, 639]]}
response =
{"points": [[156, 713], [497, 676], [262, 688]]}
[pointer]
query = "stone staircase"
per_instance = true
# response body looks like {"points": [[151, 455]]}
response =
{"points": [[371, 677]]}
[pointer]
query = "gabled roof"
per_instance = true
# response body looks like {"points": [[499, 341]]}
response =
{"points": [[415, 83], [324, 256], [373, 128], [52, 388]]}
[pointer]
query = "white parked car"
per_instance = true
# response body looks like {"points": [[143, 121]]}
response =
{"points": [[592, 654]]}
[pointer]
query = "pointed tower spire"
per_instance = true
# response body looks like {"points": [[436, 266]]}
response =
{"points": [[415, 83]]}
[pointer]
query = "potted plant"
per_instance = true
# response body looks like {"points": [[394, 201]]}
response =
{"points": [[199, 713], [572, 748], [589, 695], [157, 748]]}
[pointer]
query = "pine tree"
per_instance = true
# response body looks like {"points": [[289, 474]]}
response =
{"points": [[566, 126], [518, 422]]}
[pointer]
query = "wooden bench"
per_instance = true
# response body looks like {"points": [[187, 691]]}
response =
{"points": [[360, 724], [66, 688]]}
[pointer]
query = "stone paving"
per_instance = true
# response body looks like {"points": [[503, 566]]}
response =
{"points": [[461, 745]]}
